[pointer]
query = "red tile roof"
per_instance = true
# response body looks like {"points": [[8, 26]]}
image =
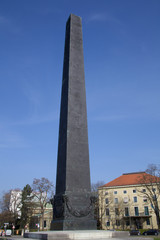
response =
{"points": [[132, 179]]}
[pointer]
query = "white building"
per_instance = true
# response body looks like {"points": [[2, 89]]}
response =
{"points": [[15, 202]]}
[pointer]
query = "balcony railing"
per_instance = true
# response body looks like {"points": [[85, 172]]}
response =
{"points": [[141, 214]]}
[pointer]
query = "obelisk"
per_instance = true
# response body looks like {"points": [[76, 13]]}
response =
{"points": [[73, 204]]}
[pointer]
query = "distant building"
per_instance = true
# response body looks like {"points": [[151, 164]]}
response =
{"points": [[15, 202], [123, 202], [36, 219]]}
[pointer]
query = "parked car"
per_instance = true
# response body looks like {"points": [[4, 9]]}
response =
{"points": [[134, 232], [151, 232], [2, 233], [8, 232]]}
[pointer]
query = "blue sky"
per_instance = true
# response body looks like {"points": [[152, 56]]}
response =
{"points": [[122, 71]]}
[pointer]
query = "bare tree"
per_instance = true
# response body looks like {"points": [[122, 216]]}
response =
{"points": [[105, 200], [5, 201], [95, 186], [150, 182], [15, 203], [9, 205], [117, 210], [103, 203], [43, 191], [112, 208], [97, 207], [6, 215]]}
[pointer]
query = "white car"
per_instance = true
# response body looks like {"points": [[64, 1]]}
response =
{"points": [[8, 232]]}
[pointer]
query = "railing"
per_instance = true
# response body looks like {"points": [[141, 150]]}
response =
{"points": [[141, 214]]}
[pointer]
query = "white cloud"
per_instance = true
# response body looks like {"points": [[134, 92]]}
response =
{"points": [[10, 139], [37, 119], [9, 25], [97, 17], [110, 118], [2, 145], [121, 103], [33, 96], [104, 17], [4, 20]]}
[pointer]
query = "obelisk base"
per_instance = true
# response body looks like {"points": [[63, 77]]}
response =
{"points": [[74, 211], [78, 235], [80, 224]]}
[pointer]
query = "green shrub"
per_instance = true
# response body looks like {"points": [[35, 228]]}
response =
{"points": [[33, 230], [142, 231], [122, 230]]}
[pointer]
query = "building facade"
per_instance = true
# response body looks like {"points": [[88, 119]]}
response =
{"points": [[36, 218], [127, 202]]}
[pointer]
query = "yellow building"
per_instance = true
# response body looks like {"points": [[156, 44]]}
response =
{"points": [[129, 201], [36, 218]]}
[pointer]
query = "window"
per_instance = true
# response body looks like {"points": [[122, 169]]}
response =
{"points": [[146, 211], [126, 211], [127, 223], [144, 199], [125, 200], [154, 197], [116, 200], [124, 191], [144, 190], [148, 221], [45, 224], [136, 211], [117, 223], [134, 190], [107, 211], [106, 193], [115, 192], [153, 189], [106, 200], [108, 224], [135, 199], [117, 211]]}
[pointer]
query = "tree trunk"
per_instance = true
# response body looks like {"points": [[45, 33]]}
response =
{"points": [[42, 220], [156, 210], [157, 218]]}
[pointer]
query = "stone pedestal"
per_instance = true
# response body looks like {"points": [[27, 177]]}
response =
{"points": [[77, 235]]}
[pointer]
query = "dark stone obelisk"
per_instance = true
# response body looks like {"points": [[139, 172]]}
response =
{"points": [[73, 204]]}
